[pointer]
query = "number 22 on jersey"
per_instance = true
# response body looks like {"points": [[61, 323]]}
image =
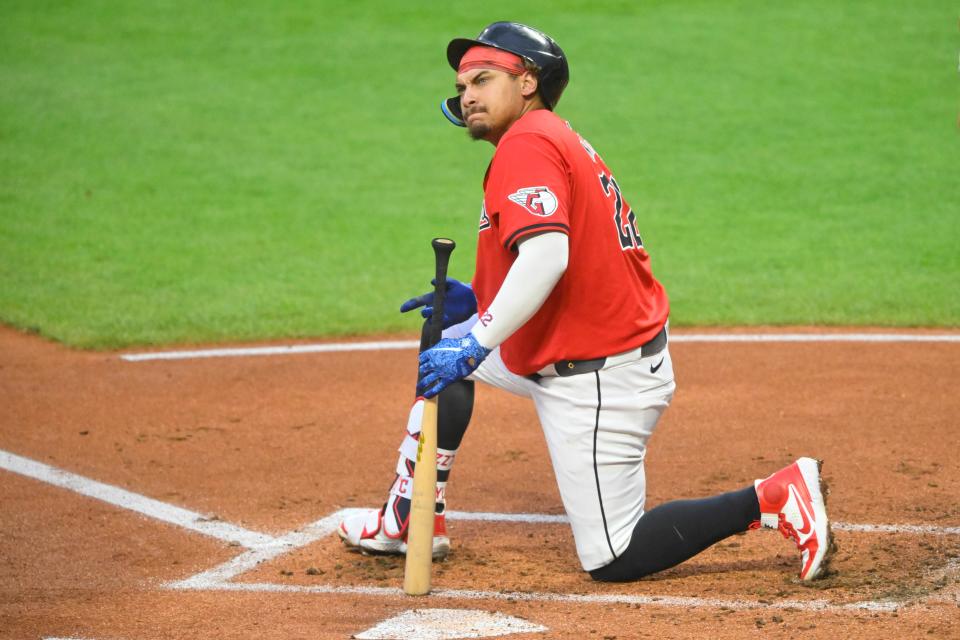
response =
{"points": [[626, 221]]}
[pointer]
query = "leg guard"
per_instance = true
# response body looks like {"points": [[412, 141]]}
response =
{"points": [[453, 417]]}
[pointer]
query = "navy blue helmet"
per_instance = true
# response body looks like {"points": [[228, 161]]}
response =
{"points": [[526, 42]]}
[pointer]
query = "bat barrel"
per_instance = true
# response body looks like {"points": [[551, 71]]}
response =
{"points": [[419, 561]]}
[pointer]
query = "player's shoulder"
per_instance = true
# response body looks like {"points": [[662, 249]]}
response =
{"points": [[540, 122], [542, 130]]}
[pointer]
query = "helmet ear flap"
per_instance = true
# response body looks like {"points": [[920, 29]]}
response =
{"points": [[451, 109], [553, 80]]}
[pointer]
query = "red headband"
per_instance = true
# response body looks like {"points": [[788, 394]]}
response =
{"points": [[480, 57]]}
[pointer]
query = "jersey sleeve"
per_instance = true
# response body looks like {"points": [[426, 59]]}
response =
{"points": [[528, 189]]}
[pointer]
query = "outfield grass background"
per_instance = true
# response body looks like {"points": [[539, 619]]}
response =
{"points": [[194, 172]]}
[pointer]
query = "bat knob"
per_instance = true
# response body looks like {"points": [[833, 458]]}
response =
{"points": [[445, 245]]}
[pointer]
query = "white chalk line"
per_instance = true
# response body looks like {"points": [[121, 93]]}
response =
{"points": [[543, 518], [920, 529], [412, 344], [530, 518], [263, 547], [135, 502], [247, 561], [220, 578], [580, 598], [271, 351]]}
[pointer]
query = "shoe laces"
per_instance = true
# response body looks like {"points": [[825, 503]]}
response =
{"points": [[784, 526]]}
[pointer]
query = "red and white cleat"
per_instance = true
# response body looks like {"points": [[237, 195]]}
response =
{"points": [[367, 531], [792, 501]]}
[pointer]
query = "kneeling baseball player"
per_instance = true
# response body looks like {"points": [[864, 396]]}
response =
{"points": [[564, 309]]}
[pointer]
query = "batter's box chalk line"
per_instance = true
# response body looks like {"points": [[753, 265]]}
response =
{"points": [[391, 345], [262, 547]]}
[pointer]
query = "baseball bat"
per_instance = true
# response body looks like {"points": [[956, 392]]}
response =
{"points": [[417, 570]]}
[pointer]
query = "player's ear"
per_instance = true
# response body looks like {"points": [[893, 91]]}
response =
{"points": [[529, 84]]}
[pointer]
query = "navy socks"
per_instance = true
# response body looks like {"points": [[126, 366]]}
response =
{"points": [[676, 531]]}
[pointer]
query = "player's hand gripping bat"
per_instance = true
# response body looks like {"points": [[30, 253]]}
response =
{"points": [[416, 575]]}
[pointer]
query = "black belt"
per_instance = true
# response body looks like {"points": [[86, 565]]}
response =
{"points": [[566, 368]]}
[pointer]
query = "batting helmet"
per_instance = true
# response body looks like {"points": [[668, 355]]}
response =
{"points": [[526, 42]]}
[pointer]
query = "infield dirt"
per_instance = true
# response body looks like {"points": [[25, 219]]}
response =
{"points": [[273, 443]]}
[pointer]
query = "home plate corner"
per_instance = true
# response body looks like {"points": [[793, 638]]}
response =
{"points": [[447, 624]]}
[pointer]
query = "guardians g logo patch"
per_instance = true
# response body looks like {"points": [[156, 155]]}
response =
{"points": [[539, 201]]}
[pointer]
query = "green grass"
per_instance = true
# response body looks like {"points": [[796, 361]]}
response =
{"points": [[183, 172]]}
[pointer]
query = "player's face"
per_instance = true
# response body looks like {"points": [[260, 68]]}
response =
{"points": [[491, 101]]}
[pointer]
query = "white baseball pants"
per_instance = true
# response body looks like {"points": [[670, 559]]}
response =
{"points": [[596, 425]]}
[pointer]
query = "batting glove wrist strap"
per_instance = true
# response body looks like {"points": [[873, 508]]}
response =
{"points": [[449, 360]]}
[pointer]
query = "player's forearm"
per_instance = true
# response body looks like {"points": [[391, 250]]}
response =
{"points": [[541, 262]]}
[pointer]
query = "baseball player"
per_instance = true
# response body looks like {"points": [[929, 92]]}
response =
{"points": [[564, 309]]}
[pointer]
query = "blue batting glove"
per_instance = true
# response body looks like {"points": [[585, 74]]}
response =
{"points": [[459, 304], [448, 361]]}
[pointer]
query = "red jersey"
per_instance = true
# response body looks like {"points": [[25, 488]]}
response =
{"points": [[545, 177]]}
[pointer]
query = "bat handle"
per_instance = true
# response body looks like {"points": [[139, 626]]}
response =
{"points": [[442, 248]]}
